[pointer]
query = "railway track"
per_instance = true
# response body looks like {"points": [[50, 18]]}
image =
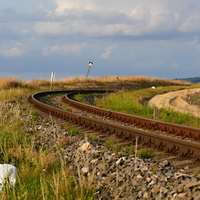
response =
{"points": [[177, 139]]}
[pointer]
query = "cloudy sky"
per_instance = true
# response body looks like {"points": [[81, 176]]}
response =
{"points": [[158, 38]]}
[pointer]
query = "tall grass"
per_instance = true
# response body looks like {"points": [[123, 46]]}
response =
{"points": [[42, 172], [105, 79], [9, 82], [80, 82]]}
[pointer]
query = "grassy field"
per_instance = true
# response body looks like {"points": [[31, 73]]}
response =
{"points": [[42, 173]]}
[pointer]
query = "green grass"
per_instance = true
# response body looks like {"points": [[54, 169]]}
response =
{"points": [[116, 148], [195, 100], [42, 172], [145, 153], [73, 131], [135, 103]]}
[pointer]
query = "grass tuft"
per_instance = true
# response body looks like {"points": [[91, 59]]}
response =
{"points": [[145, 153]]}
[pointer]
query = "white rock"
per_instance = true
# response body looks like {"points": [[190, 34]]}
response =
{"points": [[7, 172], [94, 161], [85, 170], [85, 146], [120, 161]]}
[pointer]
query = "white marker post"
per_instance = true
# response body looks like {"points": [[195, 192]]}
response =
{"points": [[52, 79], [156, 113]]}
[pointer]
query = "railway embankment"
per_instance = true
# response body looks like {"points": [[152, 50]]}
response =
{"points": [[124, 176], [118, 175]]}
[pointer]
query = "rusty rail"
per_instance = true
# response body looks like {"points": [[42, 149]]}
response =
{"points": [[162, 142], [137, 121]]}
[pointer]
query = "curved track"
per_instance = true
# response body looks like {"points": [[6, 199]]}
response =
{"points": [[164, 142]]}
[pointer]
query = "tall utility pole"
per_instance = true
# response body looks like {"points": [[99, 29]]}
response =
{"points": [[90, 64]]}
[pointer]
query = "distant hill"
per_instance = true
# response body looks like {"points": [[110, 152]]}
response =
{"points": [[192, 80]]}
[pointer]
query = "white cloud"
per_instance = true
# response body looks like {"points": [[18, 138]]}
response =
{"points": [[109, 18], [14, 51], [83, 28], [145, 16], [51, 28], [126, 6], [65, 48], [108, 51], [191, 24]]}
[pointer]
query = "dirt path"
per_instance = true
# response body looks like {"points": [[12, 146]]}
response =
{"points": [[175, 101]]}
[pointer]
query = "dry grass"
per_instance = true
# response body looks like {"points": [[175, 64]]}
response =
{"points": [[9, 82], [37, 82], [121, 78], [41, 84]]}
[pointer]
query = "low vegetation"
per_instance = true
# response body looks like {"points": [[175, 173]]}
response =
{"points": [[42, 172], [135, 103], [145, 153]]}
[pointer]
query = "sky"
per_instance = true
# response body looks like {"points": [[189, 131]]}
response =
{"points": [[159, 38]]}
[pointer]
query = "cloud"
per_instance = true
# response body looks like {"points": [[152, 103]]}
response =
{"points": [[108, 51], [65, 48], [126, 6], [142, 36], [93, 19], [14, 51], [83, 28], [191, 24], [8, 11]]}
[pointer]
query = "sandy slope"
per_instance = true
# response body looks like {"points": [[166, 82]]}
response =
{"points": [[175, 101]]}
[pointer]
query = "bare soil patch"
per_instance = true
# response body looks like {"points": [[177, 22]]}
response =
{"points": [[177, 101]]}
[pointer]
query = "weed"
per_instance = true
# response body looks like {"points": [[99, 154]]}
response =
{"points": [[35, 115], [73, 131], [196, 172], [42, 173], [109, 143], [145, 153], [117, 149], [154, 170], [94, 138], [129, 149]]}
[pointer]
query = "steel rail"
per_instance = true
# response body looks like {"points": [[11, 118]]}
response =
{"points": [[162, 142], [137, 121]]}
